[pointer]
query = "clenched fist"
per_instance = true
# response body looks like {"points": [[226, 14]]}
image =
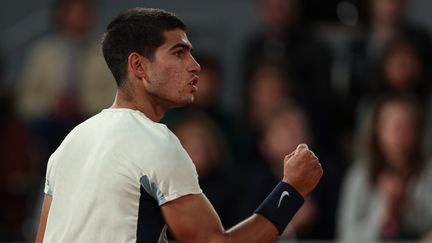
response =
{"points": [[302, 170]]}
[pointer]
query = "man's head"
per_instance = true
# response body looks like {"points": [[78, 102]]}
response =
{"points": [[149, 48], [136, 30]]}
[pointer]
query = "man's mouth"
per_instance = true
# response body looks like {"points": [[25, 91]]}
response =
{"points": [[193, 83]]}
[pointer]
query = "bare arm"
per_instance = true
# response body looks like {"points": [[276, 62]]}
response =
{"points": [[43, 219], [192, 218]]}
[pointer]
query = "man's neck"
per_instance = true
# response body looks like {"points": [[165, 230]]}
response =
{"points": [[150, 109]]}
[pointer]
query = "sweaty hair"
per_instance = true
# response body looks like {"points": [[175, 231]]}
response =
{"points": [[136, 30]]}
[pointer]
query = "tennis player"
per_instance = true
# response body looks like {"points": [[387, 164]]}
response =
{"points": [[121, 176]]}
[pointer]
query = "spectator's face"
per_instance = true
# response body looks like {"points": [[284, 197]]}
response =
{"points": [[402, 68], [396, 129], [283, 135], [171, 76], [77, 18], [386, 11], [278, 15], [267, 91]]}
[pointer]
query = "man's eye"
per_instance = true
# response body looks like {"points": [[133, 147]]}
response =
{"points": [[179, 54]]}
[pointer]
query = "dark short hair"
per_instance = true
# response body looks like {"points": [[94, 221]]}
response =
{"points": [[136, 30]]}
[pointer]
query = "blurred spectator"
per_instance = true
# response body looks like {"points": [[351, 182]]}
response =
{"points": [[285, 37], [284, 129], [18, 169], [401, 71], [428, 127], [268, 89], [386, 24], [386, 194], [65, 78], [202, 140]]}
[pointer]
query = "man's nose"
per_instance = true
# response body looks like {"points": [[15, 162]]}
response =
{"points": [[195, 67]]}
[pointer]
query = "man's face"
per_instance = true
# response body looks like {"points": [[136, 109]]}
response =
{"points": [[171, 76]]}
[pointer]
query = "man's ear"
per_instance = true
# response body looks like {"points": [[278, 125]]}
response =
{"points": [[137, 65]]}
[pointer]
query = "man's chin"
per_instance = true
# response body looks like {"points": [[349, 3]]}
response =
{"points": [[185, 102]]}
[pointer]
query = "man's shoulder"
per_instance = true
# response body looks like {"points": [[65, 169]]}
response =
{"points": [[135, 129], [127, 132]]}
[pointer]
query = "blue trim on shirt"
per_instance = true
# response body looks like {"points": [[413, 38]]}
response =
{"points": [[49, 192], [152, 190], [151, 225]]}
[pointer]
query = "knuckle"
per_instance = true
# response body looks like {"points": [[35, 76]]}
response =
{"points": [[302, 147], [313, 161]]}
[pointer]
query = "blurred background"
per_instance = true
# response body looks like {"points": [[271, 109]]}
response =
{"points": [[351, 78]]}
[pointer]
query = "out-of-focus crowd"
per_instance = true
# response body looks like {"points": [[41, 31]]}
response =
{"points": [[373, 138]]}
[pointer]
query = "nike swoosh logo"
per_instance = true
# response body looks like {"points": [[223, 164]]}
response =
{"points": [[284, 193]]}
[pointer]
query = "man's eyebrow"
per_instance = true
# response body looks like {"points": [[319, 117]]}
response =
{"points": [[181, 45]]}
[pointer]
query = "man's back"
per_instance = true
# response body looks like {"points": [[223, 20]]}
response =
{"points": [[109, 176]]}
